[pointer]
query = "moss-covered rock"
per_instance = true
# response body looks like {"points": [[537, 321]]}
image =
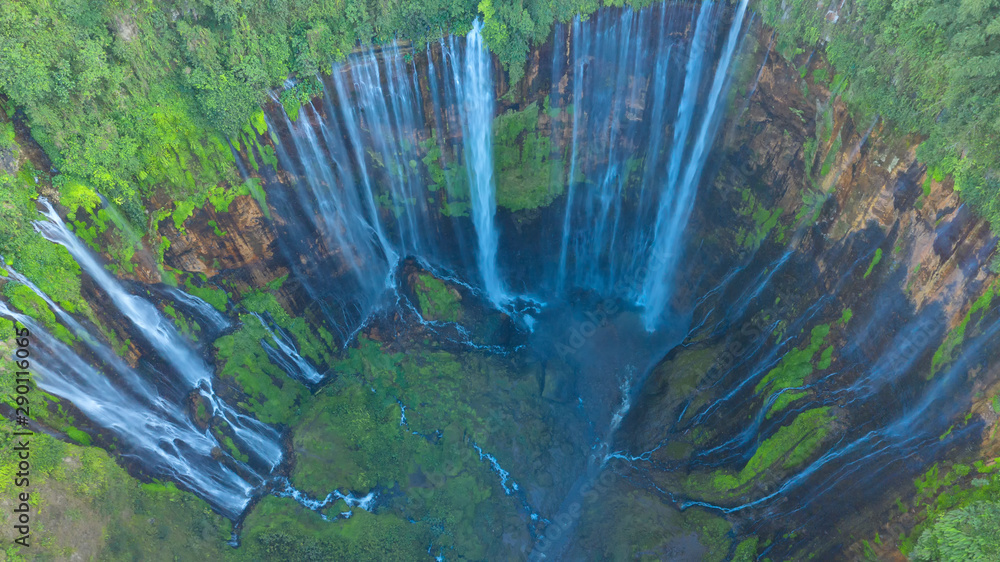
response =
{"points": [[529, 173], [437, 301], [281, 529], [790, 445]]}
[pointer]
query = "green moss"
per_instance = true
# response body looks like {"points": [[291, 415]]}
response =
{"points": [[188, 328], [78, 436], [983, 468], [351, 437], [212, 295], [271, 394], [763, 219], [168, 276], [446, 178], [795, 367], [89, 507], [437, 301], [831, 156], [846, 316], [791, 445], [783, 400], [614, 529], [875, 260], [259, 195], [280, 528], [6, 329], [233, 449], [746, 551], [943, 354], [528, 176], [795, 442], [182, 211], [216, 230], [809, 152], [25, 300], [277, 283], [309, 338], [354, 440], [825, 359]]}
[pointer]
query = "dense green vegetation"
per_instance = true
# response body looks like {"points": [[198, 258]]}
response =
{"points": [[437, 301], [969, 533], [86, 505], [135, 95], [528, 174], [354, 436], [281, 529], [926, 66], [50, 265], [960, 509], [270, 393]]}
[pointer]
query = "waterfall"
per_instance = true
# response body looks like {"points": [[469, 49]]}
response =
{"points": [[157, 329], [357, 159], [673, 214], [579, 46], [397, 160], [168, 343], [286, 355], [200, 307], [633, 77], [150, 427], [477, 130]]}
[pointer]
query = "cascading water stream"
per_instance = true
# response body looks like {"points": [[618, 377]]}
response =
{"points": [[393, 158], [140, 312], [634, 76], [286, 355], [357, 159], [158, 331], [477, 129], [200, 307], [674, 211], [152, 429], [366, 502]]}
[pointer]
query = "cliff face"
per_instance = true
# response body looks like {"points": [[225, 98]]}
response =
{"points": [[840, 344], [834, 293], [828, 272]]}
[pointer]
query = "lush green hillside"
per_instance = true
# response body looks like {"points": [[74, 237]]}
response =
{"points": [[139, 95], [926, 66], [136, 96], [136, 99]]}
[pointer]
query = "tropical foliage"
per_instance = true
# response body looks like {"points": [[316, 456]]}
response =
{"points": [[930, 67]]}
